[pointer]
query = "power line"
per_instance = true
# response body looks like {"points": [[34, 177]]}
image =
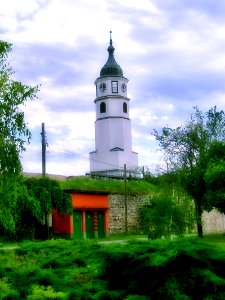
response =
{"points": [[70, 153], [74, 154]]}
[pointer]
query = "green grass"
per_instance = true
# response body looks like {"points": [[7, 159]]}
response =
{"points": [[215, 238], [107, 185], [187, 268]]}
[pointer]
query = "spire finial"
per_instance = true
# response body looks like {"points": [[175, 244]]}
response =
{"points": [[110, 37], [111, 67]]}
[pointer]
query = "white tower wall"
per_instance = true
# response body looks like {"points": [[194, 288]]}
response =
{"points": [[113, 139], [117, 131]]}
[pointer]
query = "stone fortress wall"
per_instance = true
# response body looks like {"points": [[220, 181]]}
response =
{"points": [[117, 213], [213, 222]]}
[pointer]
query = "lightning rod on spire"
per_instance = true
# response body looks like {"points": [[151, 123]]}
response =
{"points": [[110, 37]]}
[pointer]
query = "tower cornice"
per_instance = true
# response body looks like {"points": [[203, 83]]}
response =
{"points": [[110, 97], [112, 117], [110, 77]]}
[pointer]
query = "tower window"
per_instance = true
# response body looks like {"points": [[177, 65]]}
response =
{"points": [[114, 86], [102, 107], [124, 107]]}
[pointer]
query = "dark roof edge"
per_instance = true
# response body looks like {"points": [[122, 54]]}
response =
{"points": [[70, 191], [85, 191]]}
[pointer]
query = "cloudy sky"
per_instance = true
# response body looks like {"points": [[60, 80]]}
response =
{"points": [[172, 52]]}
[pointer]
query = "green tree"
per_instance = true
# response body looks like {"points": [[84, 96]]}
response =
{"points": [[163, 215], [186, 148], [48, 193], [215, 177], [169, 210], [27, 213], [13, 136], [156, 217]]}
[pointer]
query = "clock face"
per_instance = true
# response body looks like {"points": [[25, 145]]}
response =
{"points": [[102, 87], [123, 87]]}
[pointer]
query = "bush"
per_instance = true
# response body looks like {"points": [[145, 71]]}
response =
{"points": [[187, 268], [7, 291], [164, 216], [177, 269], [41, 292]]}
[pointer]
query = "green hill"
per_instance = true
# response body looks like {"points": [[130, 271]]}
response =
{"points": [[111, 186]]}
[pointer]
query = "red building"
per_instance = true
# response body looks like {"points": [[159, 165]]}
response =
{"points": [[89, 218]]}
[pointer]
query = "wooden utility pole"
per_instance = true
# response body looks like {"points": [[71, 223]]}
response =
{"points": [[125, 197], [43, 142]]}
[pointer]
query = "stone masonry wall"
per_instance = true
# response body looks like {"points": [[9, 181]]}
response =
{"points": [[117, 213], [213, 222]]}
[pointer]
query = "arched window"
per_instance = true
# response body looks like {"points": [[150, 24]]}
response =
{"points": [[102, 107], [124, 107]]}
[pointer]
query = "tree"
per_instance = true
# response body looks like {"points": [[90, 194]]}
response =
{"points": [[163, 215], [48, 193], [27, 213], [13, 136], [169, 211], [156, 217], [186, 148], [215, 177]]}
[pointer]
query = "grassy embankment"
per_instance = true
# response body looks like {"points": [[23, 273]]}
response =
{"points": [[107, 185], [186, 268]]}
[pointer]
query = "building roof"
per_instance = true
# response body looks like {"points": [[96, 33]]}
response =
{"points": [[111, 67], [89, 192]]}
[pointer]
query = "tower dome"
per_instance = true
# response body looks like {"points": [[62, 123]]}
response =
{"points": [[111, 67]]}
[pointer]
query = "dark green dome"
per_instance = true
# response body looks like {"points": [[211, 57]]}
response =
{"points": [[111, 67]]}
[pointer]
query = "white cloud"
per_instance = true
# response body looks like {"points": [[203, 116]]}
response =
{"points": [[172, 52], [22, 8]]}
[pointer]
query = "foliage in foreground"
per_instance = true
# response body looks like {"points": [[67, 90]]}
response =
{"points": [[168, 211], [186, 151], [48, 195], [180, 269], [163, 215], [215, 177], [14, 134], [32, 203]]}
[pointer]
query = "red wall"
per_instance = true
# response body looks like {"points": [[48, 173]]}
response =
{"points": [[62, 223], [89, 201]]}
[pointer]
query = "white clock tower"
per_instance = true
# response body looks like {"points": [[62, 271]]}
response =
{"points": [[113, 141]]}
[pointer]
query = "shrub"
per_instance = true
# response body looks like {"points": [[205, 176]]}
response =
{"points": [[164, 216], [6, 290], [178, 269], [41, 292]]}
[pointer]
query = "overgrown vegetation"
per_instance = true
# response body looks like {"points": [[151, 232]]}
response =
{"points": [[14, 134], [107, 185], [32, 203], [186, 151], [44, 194], [169, 210], [186, 268], [215, 177], [163, 215]]}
